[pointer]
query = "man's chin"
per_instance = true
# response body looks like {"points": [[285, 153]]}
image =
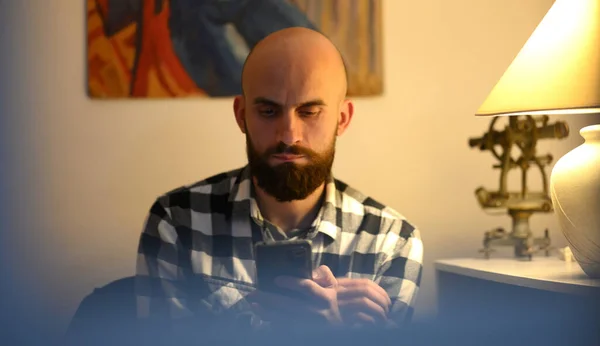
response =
{"points": [[284, 195]]}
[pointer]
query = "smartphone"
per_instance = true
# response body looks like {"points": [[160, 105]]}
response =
{"points": [[282, 258]]}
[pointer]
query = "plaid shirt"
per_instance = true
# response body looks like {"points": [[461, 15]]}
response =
{"points": [[196, 250]]}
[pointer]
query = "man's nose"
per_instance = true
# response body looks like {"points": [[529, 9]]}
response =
{"points": [[290, 129]]}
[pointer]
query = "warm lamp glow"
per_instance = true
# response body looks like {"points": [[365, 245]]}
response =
{"points": [[558, 70]]}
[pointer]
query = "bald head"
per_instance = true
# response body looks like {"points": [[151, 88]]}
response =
{"points": [[294, 103], [293, 108], [295, 56]]}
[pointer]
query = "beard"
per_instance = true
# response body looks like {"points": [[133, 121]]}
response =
{"points": [[289, 181]]}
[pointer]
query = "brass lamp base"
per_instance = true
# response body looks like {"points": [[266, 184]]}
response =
{"points": [[521, 237], [522, 132]]}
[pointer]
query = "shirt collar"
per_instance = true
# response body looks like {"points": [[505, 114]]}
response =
{"points": [[242, 197]]}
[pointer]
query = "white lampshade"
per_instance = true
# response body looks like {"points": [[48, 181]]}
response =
{"points": [[558, 70]]}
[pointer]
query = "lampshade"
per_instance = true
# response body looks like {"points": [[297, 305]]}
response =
{"points": [[558, 72], [558, 69]]}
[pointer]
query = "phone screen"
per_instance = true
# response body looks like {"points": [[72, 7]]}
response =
{"points": [[282, 258]]}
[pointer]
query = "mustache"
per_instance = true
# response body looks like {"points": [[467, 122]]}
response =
{"points": [[283, 148]]}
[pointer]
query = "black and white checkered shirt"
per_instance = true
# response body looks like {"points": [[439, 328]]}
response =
{"points": [[196, 250]]}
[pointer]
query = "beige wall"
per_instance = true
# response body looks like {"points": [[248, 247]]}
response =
{"points": [[85, 172]]}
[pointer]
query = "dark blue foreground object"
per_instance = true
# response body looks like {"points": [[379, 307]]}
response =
{"points": [[107, 317]]}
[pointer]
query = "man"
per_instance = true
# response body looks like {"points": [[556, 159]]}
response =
{"points": [[196, 251]]}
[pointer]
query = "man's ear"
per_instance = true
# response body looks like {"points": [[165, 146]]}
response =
{"points": [[239, 110], [345, 116]]}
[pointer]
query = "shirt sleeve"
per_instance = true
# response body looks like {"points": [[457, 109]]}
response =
{"points": [[166, 287], [401, 270], [163, 270]]}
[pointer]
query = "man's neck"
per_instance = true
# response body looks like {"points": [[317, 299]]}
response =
{"points": [[289, 215]]}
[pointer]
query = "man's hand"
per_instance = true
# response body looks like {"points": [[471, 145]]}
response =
{"points": [[362, 301], [318, 303]]}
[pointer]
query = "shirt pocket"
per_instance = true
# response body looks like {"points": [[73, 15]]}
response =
{"points": [[227, 295]]}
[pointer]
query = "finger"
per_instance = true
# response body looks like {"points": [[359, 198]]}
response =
{"points": [[304, 286], [363, 293], [349, 283], [359, 318], [364, 285], [324, 277], [363, 305]]}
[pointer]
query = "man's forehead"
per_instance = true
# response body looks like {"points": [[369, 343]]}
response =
{"points": [[260, 100], [291, 90], [288, 98]]}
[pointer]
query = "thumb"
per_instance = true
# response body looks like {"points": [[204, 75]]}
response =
{"points": [[324, 277]]}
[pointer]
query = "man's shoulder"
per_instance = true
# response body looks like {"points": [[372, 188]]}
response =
{"points": [[355, 200], [380, 216], [217, 184]]}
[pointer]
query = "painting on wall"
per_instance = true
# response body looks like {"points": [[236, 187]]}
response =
{"points": [[186, 48]]}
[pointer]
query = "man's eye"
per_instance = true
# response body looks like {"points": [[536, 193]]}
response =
{"points": [[267, 112], [309, 113]]}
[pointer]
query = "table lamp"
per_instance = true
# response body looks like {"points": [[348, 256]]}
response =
{"points": [[558, 72]]}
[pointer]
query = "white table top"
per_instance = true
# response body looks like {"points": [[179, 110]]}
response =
{"points": [[545, 273]]}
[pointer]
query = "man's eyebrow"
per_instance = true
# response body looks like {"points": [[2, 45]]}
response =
{"points": [[316, 102], [266, 101]]}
